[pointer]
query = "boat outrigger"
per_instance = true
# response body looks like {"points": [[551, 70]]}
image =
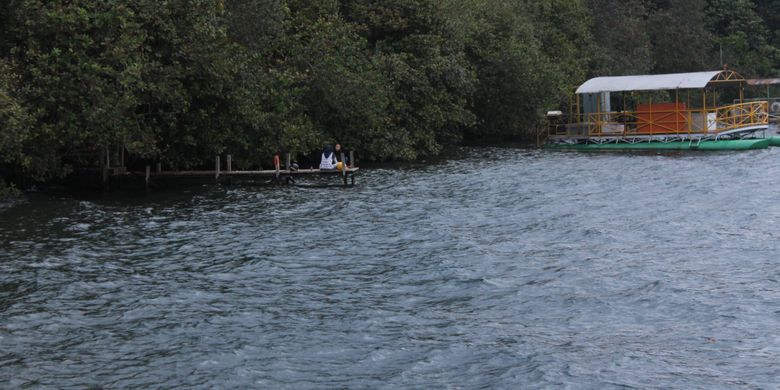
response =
{"points": [[679, 111]]}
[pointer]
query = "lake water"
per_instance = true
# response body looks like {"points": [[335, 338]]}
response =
{"points": [[501, 268]]}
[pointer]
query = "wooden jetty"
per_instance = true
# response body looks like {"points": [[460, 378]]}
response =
{"points": [[278, 175]]}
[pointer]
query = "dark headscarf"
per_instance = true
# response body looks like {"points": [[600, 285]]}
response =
{"points": [[328, 151]]}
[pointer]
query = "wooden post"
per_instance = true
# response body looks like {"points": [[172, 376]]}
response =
{"points": [[159, 167], [538, 143], [216, 168], [122, 156], [148, 169], [229, 163], [343, 169], [277, 163], [287, 161], [351, 159]]}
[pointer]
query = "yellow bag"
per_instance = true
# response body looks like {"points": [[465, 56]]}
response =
{"points": [[340, 165]]}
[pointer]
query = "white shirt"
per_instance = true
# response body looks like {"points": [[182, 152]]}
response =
{"points": [[328, 162]]}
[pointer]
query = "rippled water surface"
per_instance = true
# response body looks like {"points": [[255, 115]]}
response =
{"points": [[503, 268]]}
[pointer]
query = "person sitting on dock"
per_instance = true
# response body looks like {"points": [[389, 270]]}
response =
{"points": [[341, 151], [328, 160]]}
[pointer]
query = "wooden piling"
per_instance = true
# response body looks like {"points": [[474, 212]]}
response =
{"points": [[343, 169], [351, 159], [148, 174], [277, 163], [216, 168], [287, 162], [229, 163], [159, 167]]}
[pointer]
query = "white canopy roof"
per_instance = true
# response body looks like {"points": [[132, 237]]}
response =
{"points": [[648, 82]]}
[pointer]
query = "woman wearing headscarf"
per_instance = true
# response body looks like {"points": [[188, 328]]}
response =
{"points": [[328, 160]]}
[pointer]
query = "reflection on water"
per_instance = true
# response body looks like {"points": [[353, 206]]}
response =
{"points": [[504, 268]]}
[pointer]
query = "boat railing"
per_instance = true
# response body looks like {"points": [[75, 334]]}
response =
{"points": [[674, 119], [741, 115]]}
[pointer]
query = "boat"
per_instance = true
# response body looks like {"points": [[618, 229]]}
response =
{"points": [[678, 111]]}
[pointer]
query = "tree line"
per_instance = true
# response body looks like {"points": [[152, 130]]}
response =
{"points": [[179, 81]]}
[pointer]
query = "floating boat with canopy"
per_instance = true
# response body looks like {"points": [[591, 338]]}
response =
{"points": [[680, 111]]}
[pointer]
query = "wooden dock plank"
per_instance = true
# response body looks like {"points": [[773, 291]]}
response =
{"points": [[260, 173]]}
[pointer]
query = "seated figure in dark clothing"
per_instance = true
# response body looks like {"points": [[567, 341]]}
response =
{"points": [[338, 151]]}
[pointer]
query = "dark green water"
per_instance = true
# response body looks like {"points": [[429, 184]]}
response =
{"points": [[504, 268]]}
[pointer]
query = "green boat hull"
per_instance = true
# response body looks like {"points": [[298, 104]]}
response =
{"points": [[774, 141], [740, 144]]}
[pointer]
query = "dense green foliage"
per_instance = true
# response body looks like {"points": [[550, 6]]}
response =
{"points": [[180, 81]]}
